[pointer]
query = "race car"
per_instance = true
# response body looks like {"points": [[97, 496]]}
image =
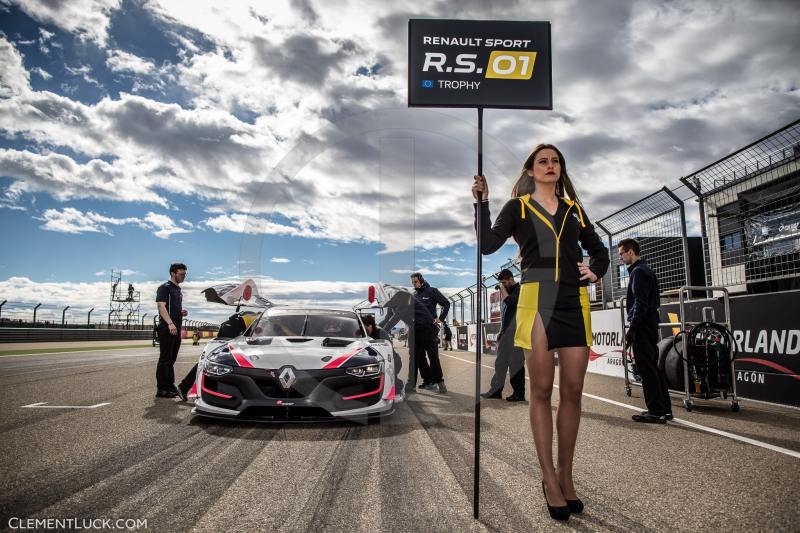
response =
{"points": [[296, 363]]}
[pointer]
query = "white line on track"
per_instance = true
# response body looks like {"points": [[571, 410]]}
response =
{"points": [[693, 425], [42, 405]]}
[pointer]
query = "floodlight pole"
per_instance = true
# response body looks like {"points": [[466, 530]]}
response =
{"points": [[479, 330]]}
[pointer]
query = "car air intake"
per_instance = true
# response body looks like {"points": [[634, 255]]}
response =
{"points": [[330, 342], [279, 413]]}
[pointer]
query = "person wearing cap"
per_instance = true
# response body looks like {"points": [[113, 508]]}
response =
{"points": [[509, 357]]}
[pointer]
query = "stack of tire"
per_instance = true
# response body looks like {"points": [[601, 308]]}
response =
{"points": [[670, 361]]}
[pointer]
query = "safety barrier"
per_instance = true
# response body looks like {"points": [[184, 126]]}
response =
{"points": [[71, 334]]}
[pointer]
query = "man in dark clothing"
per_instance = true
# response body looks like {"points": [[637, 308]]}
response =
{"points": [[428, 324], [430, 297], [170, 310], [448, 337], [509, 357], [642, 304]]}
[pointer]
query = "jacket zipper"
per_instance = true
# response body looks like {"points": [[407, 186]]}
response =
{"points": [[549, 225]]}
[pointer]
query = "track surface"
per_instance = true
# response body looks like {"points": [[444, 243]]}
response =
{"points": [[145, 458]]}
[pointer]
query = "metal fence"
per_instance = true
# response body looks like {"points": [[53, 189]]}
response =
{"points": [[750, 213], [658, 223], [41, 315]]}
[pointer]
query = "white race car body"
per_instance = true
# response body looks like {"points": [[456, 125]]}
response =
{"points": [[295, 364]]}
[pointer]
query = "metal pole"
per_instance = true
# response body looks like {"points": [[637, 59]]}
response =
{"points": [[479, 332], [128, 320], [89, 317], [34, 313], [144, 315], [64, 316], [109, 318], [485, 314], [1, 308], [686, 271]]}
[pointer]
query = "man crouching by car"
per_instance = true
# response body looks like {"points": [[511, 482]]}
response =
{"points": [[375, 332]]}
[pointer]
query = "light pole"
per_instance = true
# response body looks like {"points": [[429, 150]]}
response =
{"points": [[128, 320], [34, 313], [1, 308], [144, 315], [64, 316], [89, 317]]}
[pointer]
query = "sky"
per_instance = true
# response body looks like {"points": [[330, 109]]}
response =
{"points": [[273, 139]]}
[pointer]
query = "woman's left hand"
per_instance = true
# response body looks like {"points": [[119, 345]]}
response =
{"points": [[586, 273]]}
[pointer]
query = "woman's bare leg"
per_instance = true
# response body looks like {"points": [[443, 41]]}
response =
{"points": [[572, 364], [541, 372]]}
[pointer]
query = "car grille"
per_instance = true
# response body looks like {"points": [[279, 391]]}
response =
{"points": [[289, 413]]}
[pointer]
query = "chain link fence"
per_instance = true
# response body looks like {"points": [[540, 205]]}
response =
{"points": [[750, 213]]}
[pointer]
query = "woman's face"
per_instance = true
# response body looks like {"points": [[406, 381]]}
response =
{"points": [[546, 166]]}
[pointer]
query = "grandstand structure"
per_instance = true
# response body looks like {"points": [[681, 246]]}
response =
{"points": [[750, 214]]}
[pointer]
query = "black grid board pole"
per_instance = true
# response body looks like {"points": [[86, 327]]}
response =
{"points": [[478, 338]]}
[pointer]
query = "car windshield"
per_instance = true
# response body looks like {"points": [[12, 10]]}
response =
{"points": [[285, 323]]}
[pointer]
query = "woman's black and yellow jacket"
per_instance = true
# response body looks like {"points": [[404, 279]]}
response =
{"points": [[550, 246]]}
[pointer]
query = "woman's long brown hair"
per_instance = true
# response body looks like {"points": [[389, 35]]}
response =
{"points": [[525, 184]]}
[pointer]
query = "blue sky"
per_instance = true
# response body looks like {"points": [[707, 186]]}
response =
{"points": [[134, 134]]}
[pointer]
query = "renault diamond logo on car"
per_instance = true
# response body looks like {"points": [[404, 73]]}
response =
{"points": [[287, 378]]}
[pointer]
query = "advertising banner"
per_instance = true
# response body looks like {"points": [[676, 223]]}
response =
{"points": [[462, 340], [479, 63], [605, 354], [494, 307], [490, 332], [472, 335]]}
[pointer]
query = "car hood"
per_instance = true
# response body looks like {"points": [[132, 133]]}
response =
{"points": [[307, 353]]}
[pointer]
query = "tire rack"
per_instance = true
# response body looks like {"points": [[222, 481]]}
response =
{"points": [[683, 299]]}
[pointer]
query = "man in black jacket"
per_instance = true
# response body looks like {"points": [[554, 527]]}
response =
{"points": [[169, 300], [642, 304], [509, 357], [428, 297]]}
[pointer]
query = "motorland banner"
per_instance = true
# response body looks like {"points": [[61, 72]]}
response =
{"points": [[605, 354]]}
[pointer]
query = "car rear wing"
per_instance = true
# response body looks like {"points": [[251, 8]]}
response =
{"points": [[243, 295]]}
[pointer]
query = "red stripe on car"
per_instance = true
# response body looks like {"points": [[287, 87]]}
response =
{"points": [[376, 391], [240, 358]]}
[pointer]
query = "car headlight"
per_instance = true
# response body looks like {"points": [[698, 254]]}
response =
{"points": [[365, 371], [213, 369], [222, 355]]}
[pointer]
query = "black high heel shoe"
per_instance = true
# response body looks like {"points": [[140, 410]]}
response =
{"points": [[575, 506], [556, 513]]}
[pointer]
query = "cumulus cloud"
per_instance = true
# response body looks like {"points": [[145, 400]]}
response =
{"points": [[24, 293], [121, 61], [281, 136], [163, 225], [71, 220], [14, 79], [88, 19]]}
